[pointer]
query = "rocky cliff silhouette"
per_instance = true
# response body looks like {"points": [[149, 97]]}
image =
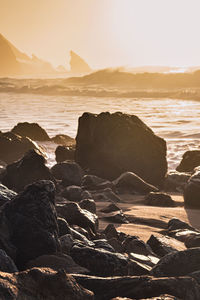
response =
{"points": [[78, 65], [15, 62]]}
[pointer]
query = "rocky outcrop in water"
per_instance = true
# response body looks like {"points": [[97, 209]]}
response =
{"points": [[13, 147], [190, 160], [111, 144], [77, 64], [31, 130]]}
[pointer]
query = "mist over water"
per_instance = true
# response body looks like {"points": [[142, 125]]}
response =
{"points": [[177, 121]]}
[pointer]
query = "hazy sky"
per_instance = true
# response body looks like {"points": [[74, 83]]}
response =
{"points": [[105, 32]]}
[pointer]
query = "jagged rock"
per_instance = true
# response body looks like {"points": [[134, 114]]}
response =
{"points": [[41, 283], [81, 238], [140, 287], [77, 64], [176, 181], [175, 224], [64, 153], [28, 223], [129, 182], [63, 227], [69, 172], [110, 231], [179, 263], [74, 215], [56, 262], [116, 244], [192, 191], [5, 194], [111, 144], [6, 263], [105, 263], [92, 182], [63, 139], [162, 245], [103, 244], [73, 193], [31, 130], [136, 245], [159, 199], [13, 147], [190, 160], [25, 171], [89, 205]]}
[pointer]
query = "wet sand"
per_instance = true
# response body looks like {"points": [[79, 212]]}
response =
{"points": [[149, 220]]}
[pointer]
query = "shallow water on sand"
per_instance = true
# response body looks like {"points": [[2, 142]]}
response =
{"points": [[177, 121]]}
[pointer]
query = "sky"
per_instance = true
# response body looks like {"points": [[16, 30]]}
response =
{"points": [[106, 33]]}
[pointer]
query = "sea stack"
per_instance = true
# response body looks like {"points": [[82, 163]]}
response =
{"points": [[77, 64], [109, 144]]}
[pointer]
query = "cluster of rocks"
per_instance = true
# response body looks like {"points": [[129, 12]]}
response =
{"points": [[51, 244], [55, 250]]}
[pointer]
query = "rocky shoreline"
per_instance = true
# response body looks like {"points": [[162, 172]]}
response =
{"points": [[70, 232]]}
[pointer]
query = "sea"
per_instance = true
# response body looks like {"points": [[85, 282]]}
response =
{"points": [[175, 120]]}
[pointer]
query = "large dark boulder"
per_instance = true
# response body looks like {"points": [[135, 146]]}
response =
{"points": [[41, 283], [192, 191], [111, 144], [190, 160], [25, 171], [13, 147], [28, 223], [159, 199], [31, 130]]}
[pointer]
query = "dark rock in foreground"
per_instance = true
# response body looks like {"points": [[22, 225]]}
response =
{"points": [[41, 283], [13, 147], [28, 223], [25, 171], [190, 160], [179, 263], [31, 130], [111, 144], [192, 191], [143, 287]]}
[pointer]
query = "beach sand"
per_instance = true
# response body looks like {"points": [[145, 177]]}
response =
{"points": [[149, 219]]}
